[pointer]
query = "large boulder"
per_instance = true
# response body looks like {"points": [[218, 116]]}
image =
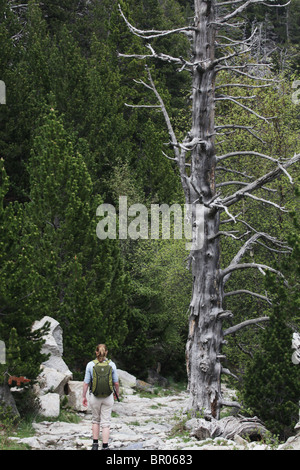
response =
{"points": [[51, 380], [55, 373], [126, 379], [53, 345]]}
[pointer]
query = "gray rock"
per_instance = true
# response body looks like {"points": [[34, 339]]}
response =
{"points": [[7, 401]]}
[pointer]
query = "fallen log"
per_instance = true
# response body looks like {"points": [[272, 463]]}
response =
{"points": [[248, 428]]}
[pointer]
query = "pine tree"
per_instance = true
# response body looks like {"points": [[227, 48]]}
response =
{"points": [[271, 382], [18, 298], [80, 278]]}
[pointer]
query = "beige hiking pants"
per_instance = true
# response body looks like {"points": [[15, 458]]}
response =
{"points": [[101, 410]]}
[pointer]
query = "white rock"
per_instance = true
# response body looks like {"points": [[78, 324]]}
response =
{"points": [[293, 443], [75, 396], [32, 442], [240, 441], [51, 380], [50, 405], [53, 345], [126, 379]]}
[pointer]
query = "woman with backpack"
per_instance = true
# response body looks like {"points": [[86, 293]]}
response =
{"points": [[102, 379]]}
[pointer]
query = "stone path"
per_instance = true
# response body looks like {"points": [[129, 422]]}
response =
{"points": [[137, 424]]}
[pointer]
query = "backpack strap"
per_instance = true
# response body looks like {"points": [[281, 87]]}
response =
{"points": [[95, 361]]}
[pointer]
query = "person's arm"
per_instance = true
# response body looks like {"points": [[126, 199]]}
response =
{"points": [[86, 381], [115, 378], [84, 391], [116, 385]]}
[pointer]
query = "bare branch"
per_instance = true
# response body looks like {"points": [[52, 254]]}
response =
{"points": [[219, 205], [178, 148], [246, 128], [170, 158], [287, 250], [277, 5], [267, 178], [246, 247], [232, 2], [253, 321], [166, 115], [268, 237], [286, 173], [256, 154], [229, 170], [230, 25], [228, 183], [22, 5], [142, 106], [230, 56], [253, 77], [245, 5], [238, 10], [242, 85], [233, 42], [153, 33], [234, 404], [230, 98], [228, 234], [260, 267], [266, 201], [242, 183], [164, 57], [245, 291]]}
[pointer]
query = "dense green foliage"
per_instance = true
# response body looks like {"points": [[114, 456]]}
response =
{"points": [[271, 381], [69, 143]]}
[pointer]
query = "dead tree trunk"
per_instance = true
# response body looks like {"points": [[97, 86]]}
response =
{"points": [[196, 159], [205, 325]]}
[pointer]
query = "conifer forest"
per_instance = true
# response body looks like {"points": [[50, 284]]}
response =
{"points": [[137, 106]]}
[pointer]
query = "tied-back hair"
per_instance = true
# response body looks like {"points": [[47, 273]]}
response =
{"points": [[101, 352]]}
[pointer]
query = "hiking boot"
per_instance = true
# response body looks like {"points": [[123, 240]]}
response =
{"points": [[95, 447]]}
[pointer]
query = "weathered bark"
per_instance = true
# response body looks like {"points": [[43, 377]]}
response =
{"points": [[205, 329]]}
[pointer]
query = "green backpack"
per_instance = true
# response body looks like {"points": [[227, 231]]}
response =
{"points": [[102, 385]]}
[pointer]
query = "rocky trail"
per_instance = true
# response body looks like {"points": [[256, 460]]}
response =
{"points": [[138, 423], [152, 421]]}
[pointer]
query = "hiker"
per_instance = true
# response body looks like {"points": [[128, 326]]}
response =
{"points": [[101, 405]]}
